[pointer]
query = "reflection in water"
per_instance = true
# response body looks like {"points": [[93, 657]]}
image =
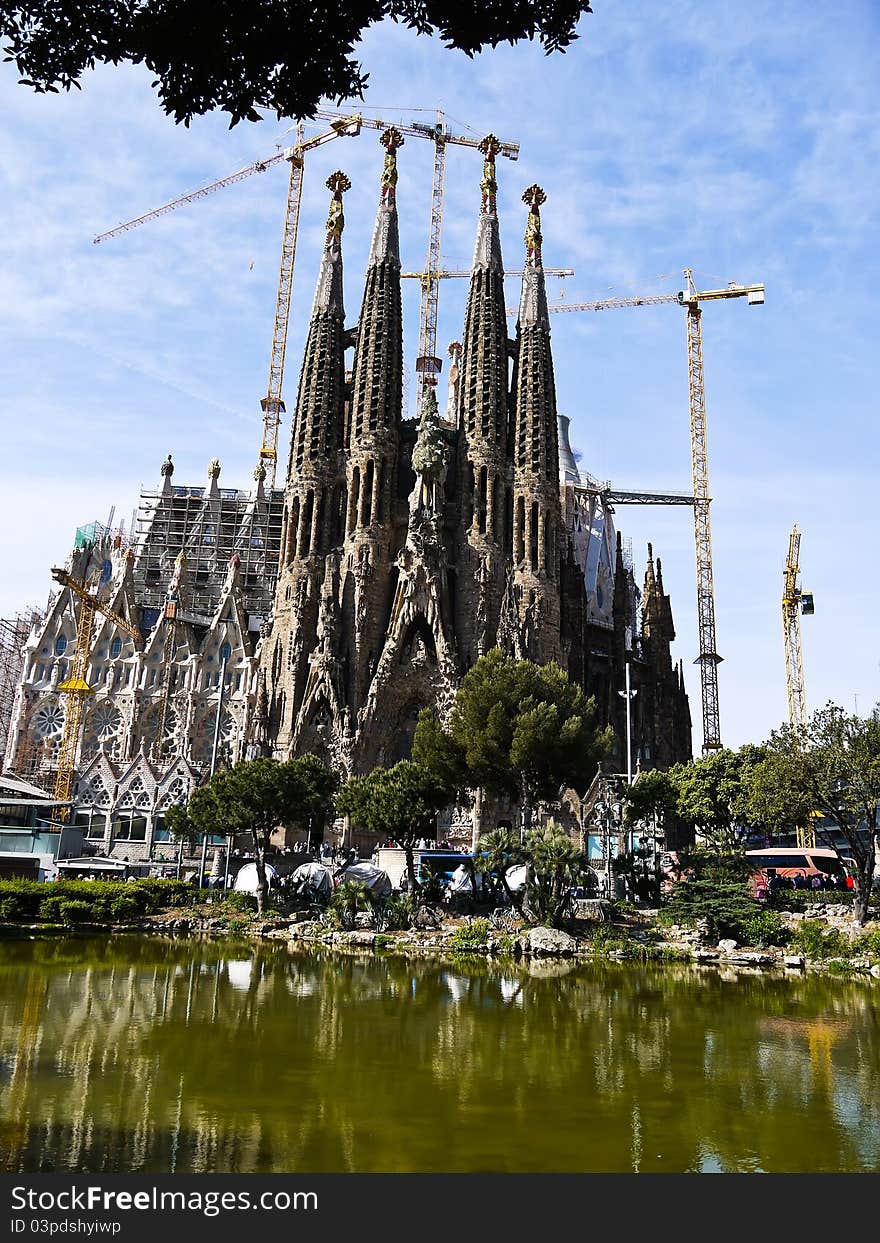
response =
{"points": [[128, 1054]]}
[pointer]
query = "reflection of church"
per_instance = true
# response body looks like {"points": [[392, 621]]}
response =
{"points": [[410, 547]]}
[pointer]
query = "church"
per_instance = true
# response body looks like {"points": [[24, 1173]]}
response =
{"points": [[411, 547]]}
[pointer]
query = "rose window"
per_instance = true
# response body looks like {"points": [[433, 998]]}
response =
{"points": [[49, 721]]}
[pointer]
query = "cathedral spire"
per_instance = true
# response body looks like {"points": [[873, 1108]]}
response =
{"points": [[317, 423], [377, 381], [483, 382], [533, 300]]}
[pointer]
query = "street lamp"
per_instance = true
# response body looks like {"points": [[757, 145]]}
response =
{"points": [[629, 695]]}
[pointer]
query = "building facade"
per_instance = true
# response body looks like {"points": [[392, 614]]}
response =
{"points": [[411, 548], [195, 581]]}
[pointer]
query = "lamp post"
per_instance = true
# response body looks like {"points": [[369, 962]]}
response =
{"points": [[629, 695], [214, 747]]}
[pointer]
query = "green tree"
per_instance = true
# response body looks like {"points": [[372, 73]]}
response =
{"points": [[831, 765], [555, 865], [256, 797], [497, 852], [519, 729], [242, 55], [712, 796], [400, 803]]}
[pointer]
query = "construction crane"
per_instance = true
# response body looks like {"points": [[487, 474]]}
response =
{"points": [[690, 298], [272, 404], [76, 688], [794, 602], [428, 365]]}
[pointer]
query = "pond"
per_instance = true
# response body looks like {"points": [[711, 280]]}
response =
{"points": [[128, 1053]]}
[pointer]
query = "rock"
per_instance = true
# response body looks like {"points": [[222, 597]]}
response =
{"points": [[794, 961], [596, 910], [750, 958], [728, 945], [361, 936], [550, 943], [875, 971], [705, 955], [363, 919], [426, 918]]}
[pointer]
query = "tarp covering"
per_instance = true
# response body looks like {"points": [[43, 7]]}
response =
{"points": [[516, 877], [377, 881], [312, 880], [246, 880]]}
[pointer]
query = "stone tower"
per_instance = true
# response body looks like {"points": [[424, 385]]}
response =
{"points": [[314, 504], [371, 445], [485, 498], [537, 516]]}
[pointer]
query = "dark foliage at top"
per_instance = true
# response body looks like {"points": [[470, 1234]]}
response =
{"points": [[242, 55]]}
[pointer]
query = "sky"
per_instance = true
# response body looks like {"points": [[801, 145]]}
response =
{"points": [[739, 141]]}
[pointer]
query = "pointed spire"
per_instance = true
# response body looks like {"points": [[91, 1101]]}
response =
{"points": [[377, 379], [533, 300], [328, 292], [386, 242], [487, 250], [483, 387], [317, 423]]}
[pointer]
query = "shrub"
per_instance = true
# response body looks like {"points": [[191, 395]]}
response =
{"points": [[726, 905], [397, 912], [763, 929], [815, 941], [50, 909], [869, 943], [125, 907], [470, 936], [606, 937], [245, 902], [74, 911]]}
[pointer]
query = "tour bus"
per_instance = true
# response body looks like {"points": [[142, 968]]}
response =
{"points": [[790, 862]]}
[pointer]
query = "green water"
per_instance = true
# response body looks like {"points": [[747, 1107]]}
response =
{"points": [[149, 1055]]}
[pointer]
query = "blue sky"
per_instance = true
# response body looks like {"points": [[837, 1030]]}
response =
{"points": [[741, 141]]}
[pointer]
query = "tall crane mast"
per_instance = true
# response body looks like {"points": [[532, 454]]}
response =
{"points": [[75, 688], [272, 404], [690, 298], [428, 364], [794, 602]]}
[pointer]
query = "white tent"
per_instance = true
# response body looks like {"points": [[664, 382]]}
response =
{"points": [[246, 880], [377, 881]]}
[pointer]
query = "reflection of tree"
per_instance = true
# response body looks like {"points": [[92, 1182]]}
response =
{"points": [[151, 1055]]}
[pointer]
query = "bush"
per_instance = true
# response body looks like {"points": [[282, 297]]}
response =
{"points": [[396, 912], [125, 907], [25, 900], [813, 940], [763, 929], [869, 943], [246, 902], [725, 905], [470, 936], [74, 911]]}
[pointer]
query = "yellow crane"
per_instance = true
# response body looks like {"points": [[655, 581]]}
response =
{"points": [[794, 602], [690, 298], [427, 363], [75, 688], [272, 404]]}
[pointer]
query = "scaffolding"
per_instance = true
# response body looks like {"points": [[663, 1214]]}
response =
{"points": [[14, 634], [209, 526]]}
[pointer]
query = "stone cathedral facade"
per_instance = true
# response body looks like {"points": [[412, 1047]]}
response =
{"points": [[409, 548]]}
